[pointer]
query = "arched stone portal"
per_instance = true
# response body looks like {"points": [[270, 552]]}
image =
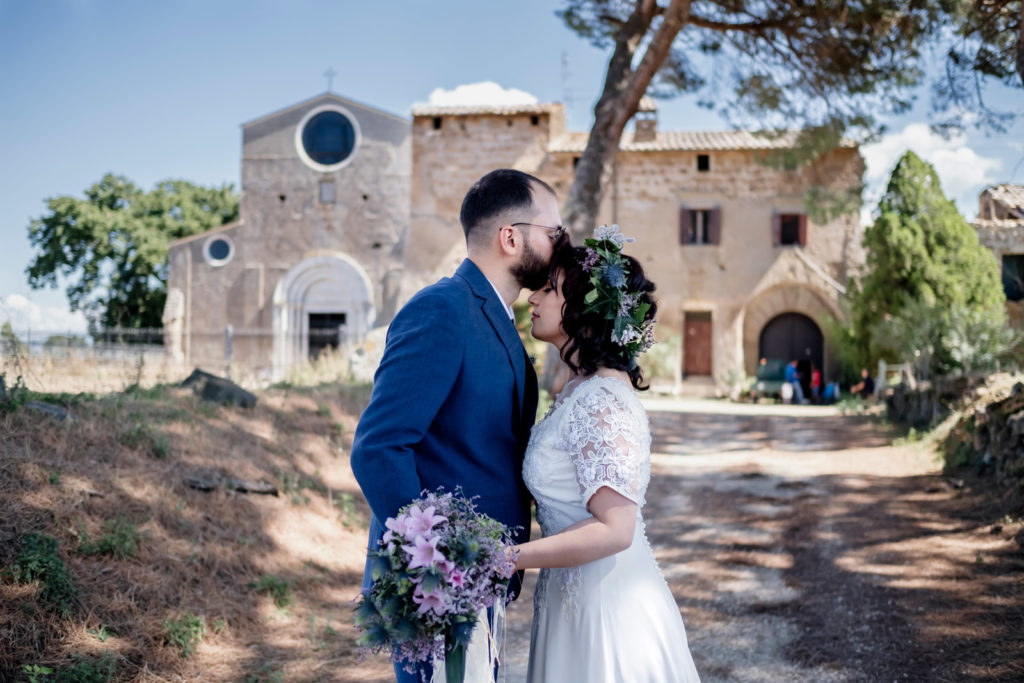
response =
{"points": [[327, 289], [792, 336], [803, 300]]}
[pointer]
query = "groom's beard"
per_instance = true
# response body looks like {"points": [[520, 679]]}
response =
{"points": [[532, 271]]}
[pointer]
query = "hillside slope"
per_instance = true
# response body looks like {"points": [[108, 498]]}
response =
{"points": [[147, 577]]}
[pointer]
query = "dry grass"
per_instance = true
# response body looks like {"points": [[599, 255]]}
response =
{"points": [[81, 371], [127, 456]]}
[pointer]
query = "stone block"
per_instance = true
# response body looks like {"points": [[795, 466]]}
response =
{"points": [[218, 389]]}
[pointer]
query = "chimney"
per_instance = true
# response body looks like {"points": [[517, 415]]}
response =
{"points": [[646, 121]]}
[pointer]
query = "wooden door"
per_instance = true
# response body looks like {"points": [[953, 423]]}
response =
{"points": [[697, 344]]}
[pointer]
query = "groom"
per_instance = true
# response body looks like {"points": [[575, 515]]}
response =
{"points": [[455, 396]]}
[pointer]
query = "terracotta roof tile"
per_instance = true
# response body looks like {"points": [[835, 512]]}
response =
{"points": [[682, 141]]}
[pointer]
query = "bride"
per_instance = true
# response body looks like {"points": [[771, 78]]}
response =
{"points": [[602, 610]]}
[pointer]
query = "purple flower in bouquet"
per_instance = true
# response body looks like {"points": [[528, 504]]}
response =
{"points": [[423, 552], [439, 564], [416, 521], [421, 520], [432, 600], [456, 578]]}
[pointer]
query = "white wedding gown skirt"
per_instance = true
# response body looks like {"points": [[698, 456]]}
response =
{"points": [[613, 620]]}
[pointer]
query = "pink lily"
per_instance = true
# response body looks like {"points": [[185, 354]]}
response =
{"points": [[423, 552], [421, 521], [428, 601], [398, 525]]}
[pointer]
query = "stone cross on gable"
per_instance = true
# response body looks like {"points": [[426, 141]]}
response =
{"points": [[329, 75]]}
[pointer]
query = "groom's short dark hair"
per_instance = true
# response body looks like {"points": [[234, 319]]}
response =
{"points": [[500, 191]]}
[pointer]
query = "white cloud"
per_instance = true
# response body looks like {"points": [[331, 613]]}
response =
{"points": [[485, 92], [26, 315], [962, 172]]}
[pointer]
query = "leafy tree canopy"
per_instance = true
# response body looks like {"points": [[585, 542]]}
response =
{"points": [[923, 259], [111, 246], [829, 69]]}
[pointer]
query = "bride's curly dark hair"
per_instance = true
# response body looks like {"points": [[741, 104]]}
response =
{"points": [[590, 345]]}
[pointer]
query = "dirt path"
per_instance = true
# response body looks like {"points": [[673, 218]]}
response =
{"points": [[801, 546]]}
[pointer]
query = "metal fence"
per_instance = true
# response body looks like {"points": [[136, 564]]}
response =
{"points": [[114, 359]]}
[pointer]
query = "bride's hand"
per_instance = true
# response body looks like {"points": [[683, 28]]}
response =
{"points": [[512, 555]]}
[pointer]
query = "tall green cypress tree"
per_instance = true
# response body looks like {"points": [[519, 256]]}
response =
{"points": [[923, 259]]}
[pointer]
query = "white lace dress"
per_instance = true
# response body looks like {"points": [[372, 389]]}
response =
{"points": [[613, 620]]}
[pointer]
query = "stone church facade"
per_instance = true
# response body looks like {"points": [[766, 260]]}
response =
{"points": [[316, 256], [742, 272]]}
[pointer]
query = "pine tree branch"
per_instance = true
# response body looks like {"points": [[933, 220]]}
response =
{"points": [[757, 26]]}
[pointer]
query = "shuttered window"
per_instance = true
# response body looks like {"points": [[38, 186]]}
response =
{"points": [[700, 226]]}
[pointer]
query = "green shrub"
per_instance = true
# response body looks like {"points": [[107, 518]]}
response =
{"points": [[160, 447], [141, 437], [266, 674], [38, 560], [102, 633], [962, 455], [36, 673], [280, 589], [185, 633], [120, 538], [153, 393], [17, 394], [89, 669]]}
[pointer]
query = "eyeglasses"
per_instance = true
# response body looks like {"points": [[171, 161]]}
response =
{"points": [[556, 235]]}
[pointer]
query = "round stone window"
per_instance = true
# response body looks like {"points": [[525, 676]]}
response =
{"points": [[326, 138], [218, 250]]}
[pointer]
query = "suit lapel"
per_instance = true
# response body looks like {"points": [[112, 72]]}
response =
{"points": [[494, 310]]}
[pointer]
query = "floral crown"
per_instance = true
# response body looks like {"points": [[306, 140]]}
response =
{"points": [[608, 275]]}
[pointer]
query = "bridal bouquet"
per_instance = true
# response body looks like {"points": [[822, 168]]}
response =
{"points": [[439, 564]]}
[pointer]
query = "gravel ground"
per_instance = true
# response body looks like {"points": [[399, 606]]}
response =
{"points": [[802, 546]]}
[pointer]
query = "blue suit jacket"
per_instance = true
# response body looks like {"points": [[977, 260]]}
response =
{"points": [[452, 405]]}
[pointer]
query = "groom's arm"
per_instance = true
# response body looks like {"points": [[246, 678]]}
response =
{"points": [[422, 359]]}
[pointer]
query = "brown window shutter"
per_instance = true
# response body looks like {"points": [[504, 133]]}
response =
{"points": [[685, 225], [715, 226], [776, 229], [803, 229]]}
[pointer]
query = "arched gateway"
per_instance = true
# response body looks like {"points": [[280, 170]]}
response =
{"points": [[792, 336], [319, 303], [784, 322]]}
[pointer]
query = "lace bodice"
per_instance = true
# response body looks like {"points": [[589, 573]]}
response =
{"points": [[612, 620], [595, 435]]}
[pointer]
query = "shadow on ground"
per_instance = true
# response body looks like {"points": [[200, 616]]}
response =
{"points": [[692, 433], [839, 575]]}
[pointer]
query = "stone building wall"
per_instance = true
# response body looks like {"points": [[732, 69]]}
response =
{"points": [[285, 226], [725, 278], [449, 159], [393, 226], [1004, 237], [743, 277]]}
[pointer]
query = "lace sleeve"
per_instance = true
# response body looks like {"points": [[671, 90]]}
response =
{"points": [[607, 446]]}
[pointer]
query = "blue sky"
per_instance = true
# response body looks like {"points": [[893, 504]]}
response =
{"points": [[158, 89]]}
